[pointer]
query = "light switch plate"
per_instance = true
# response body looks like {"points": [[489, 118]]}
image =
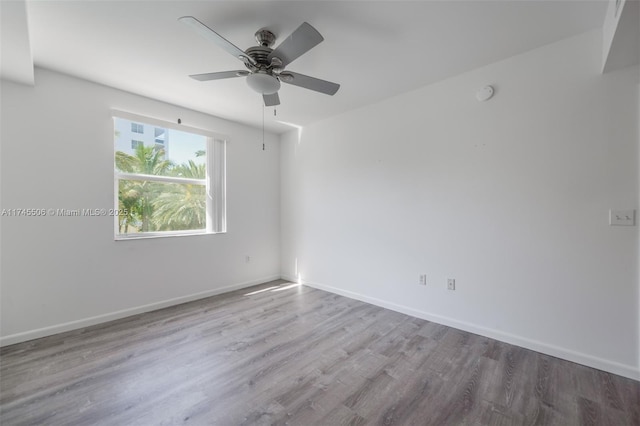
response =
{"points": [[622, 217]]}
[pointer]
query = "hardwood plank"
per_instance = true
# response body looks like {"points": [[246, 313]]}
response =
{"points": [[590, 412], [297, 356]]}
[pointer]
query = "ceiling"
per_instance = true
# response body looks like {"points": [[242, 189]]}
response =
{"points": [[375, 50]]}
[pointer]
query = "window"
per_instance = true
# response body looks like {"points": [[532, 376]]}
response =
{"points": [[137, 128], [159, 135], [166, 193]]}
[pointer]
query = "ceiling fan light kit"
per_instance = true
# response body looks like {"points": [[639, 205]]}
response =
{"points": [[266, 65], [263, 83]]}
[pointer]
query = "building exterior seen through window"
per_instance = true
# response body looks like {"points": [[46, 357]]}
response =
{"points": [[137, 128]]}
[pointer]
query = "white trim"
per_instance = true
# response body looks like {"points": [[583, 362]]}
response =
{"points": [[162, 234], [630, 371], [214, 182], [209, 208], [98, 319], [116, 197], [291, 279], [160, 178], [217, 196], [166, 124]]}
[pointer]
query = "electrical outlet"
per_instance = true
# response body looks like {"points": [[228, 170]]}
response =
{"points": [[423, 279], [622, 217], [451, 283]]}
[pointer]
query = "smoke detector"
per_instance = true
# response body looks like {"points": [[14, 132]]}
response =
{"points": [[485, 93]]}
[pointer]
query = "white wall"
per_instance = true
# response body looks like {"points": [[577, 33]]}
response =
{"points": [[510, 197], [59, 273]]}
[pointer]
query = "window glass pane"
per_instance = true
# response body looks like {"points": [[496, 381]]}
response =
{"points": [[155, 206], [183, 147], [164, 152]]}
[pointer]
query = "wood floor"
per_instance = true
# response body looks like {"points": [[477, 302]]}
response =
{"points": [[299, 356]]}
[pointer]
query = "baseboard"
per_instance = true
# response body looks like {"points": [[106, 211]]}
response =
{"points": [[289, 278], [86, 322], [552, 350]]}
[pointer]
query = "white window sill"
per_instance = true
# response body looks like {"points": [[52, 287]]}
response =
{"points": [[148, 235]]}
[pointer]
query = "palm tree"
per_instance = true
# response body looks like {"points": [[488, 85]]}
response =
{"points": [[190, 170], [128, 205], [134, 195], [182, 206], [146, 160]]}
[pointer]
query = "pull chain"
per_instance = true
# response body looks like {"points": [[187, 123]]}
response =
{"points": [[263, 127]]}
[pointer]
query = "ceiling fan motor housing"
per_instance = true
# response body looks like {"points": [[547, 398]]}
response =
{"points": [[260, 54], [265, 37], [264, 73]]}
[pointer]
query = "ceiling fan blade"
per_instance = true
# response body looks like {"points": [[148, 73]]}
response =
{"points": [[312, 83], [271, 100], [219, 75], [300, 41], [209, 34]]}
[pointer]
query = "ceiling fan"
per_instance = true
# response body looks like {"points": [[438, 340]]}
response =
{"points": [[266, 65]]}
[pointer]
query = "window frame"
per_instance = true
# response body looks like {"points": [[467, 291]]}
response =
{"points": [[214, 182]]}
